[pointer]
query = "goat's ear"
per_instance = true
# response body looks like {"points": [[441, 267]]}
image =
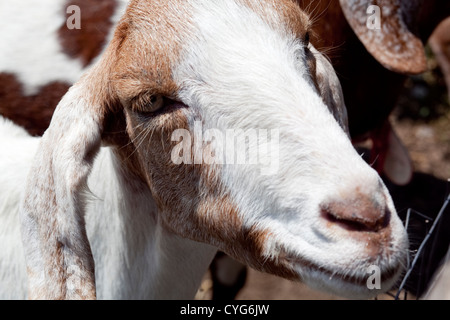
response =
{"points": [[330, 88], [385, 34], [59, 259]]}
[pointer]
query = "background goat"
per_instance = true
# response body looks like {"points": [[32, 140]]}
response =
{"points": [[372, 61]]}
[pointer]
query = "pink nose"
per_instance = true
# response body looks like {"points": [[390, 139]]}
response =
{"points": [[357, 213]]}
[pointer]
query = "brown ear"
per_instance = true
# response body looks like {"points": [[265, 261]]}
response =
{"points": [[59, 259], [330, 88], [393, 45]]}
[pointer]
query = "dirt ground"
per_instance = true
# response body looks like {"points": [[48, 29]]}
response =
{"points": [[422, 120]]}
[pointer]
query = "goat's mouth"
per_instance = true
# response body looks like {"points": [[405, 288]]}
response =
{"points": [[352, 282], [353, 276]]}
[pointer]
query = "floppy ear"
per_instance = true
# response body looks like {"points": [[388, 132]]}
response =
{"points": [[59, 259], [393, 45], [330, 88]]}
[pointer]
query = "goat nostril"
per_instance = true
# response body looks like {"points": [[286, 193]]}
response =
{"points": [[352, 216]]}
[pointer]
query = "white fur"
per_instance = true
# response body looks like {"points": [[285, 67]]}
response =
{"points": [[20, 147], [135, 257]]}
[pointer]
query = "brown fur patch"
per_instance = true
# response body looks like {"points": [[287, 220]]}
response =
{"points": [[147, 43], [87, 43], [295, 18], [31, 112], [34, 112]]}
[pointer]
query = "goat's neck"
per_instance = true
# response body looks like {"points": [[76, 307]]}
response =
{"points": [[135, 256]]}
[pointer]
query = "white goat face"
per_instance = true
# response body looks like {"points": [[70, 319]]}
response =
{"points": [[319, 214]]}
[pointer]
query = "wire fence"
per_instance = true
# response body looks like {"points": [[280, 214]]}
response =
{"points": [[417, 263]]}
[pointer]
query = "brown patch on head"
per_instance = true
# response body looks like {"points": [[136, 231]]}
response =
{"points": [[294, 18], [31, 112], [148, 43], [88, 42], [139, 63]]}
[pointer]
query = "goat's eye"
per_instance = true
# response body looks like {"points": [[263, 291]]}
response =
{"points": [[148, 104], [155, 103]]}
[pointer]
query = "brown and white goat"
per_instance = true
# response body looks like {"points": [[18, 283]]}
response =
{"points": [[104, 186]]}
